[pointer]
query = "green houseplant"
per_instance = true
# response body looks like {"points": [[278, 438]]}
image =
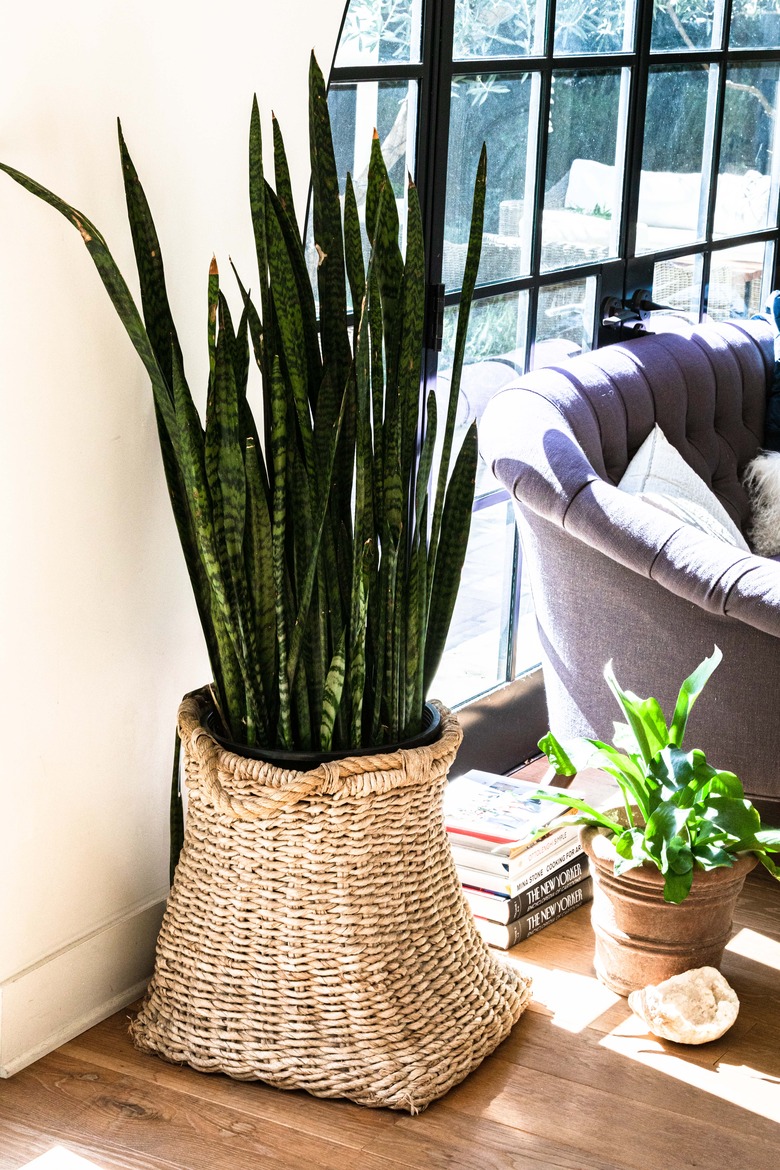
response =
{"points": [[316, 935], [324, 570], [669, 864]]}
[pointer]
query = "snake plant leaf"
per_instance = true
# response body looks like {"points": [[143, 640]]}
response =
{"points": [[258, 556], [163, 393], [415, 615], [451, 552], [213, 304], [308, 308], [376, 330], [326, 224], [229, 504], [289, 320], [464, 310], [426, 456], [357, 657], [176, 813], [330, 441], [255, 327], [328, 241], [334, 688], [117, 289], [353, 248], [393, 496], [398, 674], [386, 254], [241, 359], [364, 472], [220, 613], [302, 709], [411, 340], [151, 273], [279, 526], [282, 171], [257, 207]]}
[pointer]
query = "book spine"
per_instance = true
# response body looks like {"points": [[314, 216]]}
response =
{"points": [[499, 884], [497, 862], [568, 874], [522, 928], [500, 908]]}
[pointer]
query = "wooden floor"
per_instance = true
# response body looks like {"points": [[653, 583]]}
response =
{"points": [[579, 1085]]}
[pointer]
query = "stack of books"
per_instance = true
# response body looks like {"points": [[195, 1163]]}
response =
{"points": [[519, 873]]}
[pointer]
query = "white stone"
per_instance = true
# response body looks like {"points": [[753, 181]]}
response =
{"points": [[692, 1008]]}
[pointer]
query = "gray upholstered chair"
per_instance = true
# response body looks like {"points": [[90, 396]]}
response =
{"points": [[614, 577]]}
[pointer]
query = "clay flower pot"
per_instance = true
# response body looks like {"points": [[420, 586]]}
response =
{"points": [[640, 939]]}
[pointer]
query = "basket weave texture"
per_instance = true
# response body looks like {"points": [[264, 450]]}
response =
{"points": [[316, 935]]}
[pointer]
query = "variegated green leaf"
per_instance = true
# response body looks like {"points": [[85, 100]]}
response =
{"points": [[451, 552], [331, 701], [289, 320], [353, 248], [279, 450], [257, 207], [151, 273], [282, 172], [464, 309], [258, 540], [326, 221]]}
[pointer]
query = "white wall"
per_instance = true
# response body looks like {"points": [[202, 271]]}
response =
{"points": [[98, 633]]}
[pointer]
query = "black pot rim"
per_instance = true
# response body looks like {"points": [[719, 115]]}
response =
{"points": [[302, 761]]}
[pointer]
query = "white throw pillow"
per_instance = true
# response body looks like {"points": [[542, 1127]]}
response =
{"points": [[659, 475], [762, 484]]}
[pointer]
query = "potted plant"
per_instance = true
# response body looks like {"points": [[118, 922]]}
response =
{"points": [[316, 935], [669, 864]]}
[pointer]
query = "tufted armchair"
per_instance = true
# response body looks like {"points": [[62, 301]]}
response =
{"points": [[614, 577]]}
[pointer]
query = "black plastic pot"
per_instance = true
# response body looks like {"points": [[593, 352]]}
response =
{"points": [[305, 761]]}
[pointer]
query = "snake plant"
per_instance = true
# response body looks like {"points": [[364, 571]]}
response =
{"points": [[324, 545]]}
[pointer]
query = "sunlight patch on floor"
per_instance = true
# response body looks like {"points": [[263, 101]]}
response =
{"points": [[752, 945], [59, 1158], [575, 1001], [748, 1088]]}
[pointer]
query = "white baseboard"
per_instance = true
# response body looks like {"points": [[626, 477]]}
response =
{"points": [[74, 989]]}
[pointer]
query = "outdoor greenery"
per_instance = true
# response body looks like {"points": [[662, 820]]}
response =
{"points": [[682, 815], [324, 546]]}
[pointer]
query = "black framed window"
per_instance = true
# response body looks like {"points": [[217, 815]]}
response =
{"points": [[633, 154]]}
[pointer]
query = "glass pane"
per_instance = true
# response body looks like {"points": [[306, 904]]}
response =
{"points": [[685, 24], [475, 655], [677, 284], [355, 109], [528, 650], [749, 129], [495, 109], [590, 26], [495, 354], [377, 32], [564, 321], [755, 24], [584, 180], [673, 202], [736, 280], [498, 28]]}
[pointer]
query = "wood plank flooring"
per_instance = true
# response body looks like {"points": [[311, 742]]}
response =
{"points": [[579, 1085]]}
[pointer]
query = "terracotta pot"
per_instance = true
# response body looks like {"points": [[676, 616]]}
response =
{"points": [[640, 939]]}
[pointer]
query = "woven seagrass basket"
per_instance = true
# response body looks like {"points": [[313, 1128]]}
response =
{"points": [[316, 935]]}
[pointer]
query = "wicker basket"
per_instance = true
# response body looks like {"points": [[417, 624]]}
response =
{"points": [[316, 935]]}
